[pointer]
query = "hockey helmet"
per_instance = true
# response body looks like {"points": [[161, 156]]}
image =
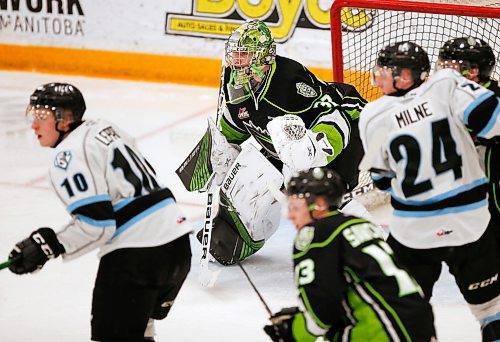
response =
{"points": [[250, 47], [465, 53], [318, 181], [57, 98], [405, 55]]}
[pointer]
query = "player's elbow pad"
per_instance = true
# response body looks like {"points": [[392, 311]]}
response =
{"points": [[482, 117], [383, 183]]}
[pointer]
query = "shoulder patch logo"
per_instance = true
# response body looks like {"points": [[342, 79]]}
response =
{"points": [[304, 238], [243, 113], [305, 90], [62, 159]]}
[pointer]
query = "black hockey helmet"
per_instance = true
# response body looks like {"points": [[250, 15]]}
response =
{"points": [[59, 97], [469, 52], [318, 181], [405, 55]]}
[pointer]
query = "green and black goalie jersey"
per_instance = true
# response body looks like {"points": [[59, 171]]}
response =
{"points": [[352, 289], [290, 88]]}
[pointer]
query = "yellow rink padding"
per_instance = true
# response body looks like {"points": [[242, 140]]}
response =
{"points": [[123, 65]]}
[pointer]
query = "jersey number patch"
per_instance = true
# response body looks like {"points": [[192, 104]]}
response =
{"points": [[444, 157], [146, 178], [304, 272], [382, 253], [79, 183]]}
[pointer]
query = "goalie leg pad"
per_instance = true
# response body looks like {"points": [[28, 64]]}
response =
{"points": [[227, 246], [246, 195]]}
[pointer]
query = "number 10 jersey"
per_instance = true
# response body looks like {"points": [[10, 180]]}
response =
{"points": [[111, 192]]}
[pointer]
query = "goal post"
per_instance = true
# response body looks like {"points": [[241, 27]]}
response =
{"points": [[361, 28]]}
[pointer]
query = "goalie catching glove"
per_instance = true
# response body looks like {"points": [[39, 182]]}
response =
{"points": [[298, 148], [223, 153], [30, 254]]}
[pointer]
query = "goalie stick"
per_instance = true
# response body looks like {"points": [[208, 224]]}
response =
{"points": [[207, 277], [256, 291]]}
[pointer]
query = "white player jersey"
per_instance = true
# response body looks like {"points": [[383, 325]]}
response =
{"points": [[111, 192], [418, 148]]}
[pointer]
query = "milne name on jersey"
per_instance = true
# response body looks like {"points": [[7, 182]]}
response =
{"points": [[415, 114]]}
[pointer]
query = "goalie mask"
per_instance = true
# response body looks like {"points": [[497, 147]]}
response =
{"points": [[403, 55], [249, 48], [318, 181], [463, 54]]}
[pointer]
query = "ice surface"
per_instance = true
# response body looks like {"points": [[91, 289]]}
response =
{"points": [[167, 121]]}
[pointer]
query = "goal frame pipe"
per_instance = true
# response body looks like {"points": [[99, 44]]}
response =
{"points": [[393, 5]]}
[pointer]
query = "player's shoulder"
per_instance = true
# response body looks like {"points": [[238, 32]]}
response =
{"points": [[288, 63], [290, 73], [377, 108], [332, 230], [493, 86], [442, 79], [327, 228]]}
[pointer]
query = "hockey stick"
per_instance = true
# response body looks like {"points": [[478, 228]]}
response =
{"points": [[9, 262], [6, 264], [208, 278], [256, 291]]}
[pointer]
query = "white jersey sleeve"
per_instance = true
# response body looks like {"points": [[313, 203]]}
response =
{"points": [[111, 192], [420, 149]]}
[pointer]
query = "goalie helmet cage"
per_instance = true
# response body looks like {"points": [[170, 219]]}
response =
{"points": [[360, 28]]}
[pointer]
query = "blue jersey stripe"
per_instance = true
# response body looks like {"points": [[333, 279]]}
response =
{"points": [[88, 200], [452, 210], [96, 223], [490, 123], [142, 215], [474, 104], [444, 196], [122, 203]]}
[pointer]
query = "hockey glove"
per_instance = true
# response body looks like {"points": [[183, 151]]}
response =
{"points": [[298, 148], [281, 328], [223, 153], [31, 254]]}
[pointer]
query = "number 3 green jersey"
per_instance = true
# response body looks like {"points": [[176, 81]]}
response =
{"points": [[351, 288]]}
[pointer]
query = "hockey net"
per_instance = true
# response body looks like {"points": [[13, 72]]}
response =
{"points": [[360, 28]]}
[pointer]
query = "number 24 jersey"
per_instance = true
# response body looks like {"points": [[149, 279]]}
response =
{"points": [[419, 148]]}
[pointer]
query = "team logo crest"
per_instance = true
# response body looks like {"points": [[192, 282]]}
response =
{"points": [[305, 90], [243, 113], [304, 238], [62, 159]]}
